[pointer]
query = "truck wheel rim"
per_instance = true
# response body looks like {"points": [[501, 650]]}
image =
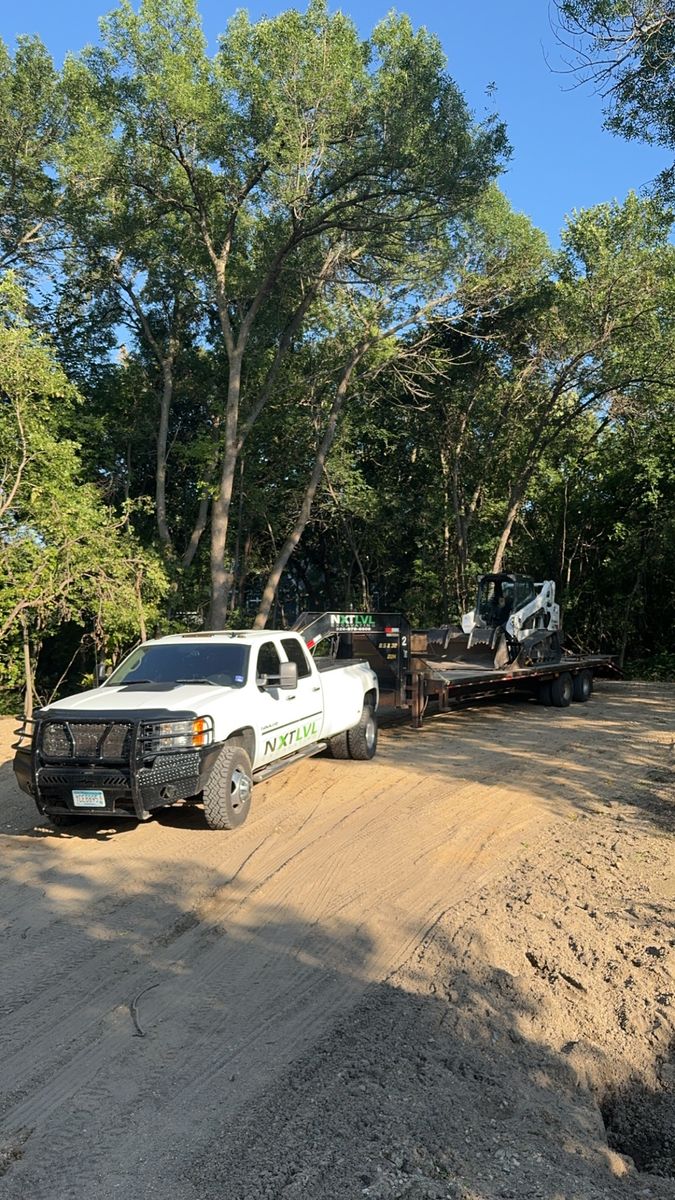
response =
{"points": [[370, 734], [240, 788]]}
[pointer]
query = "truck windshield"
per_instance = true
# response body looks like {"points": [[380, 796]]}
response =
{"points": [[224, 664]]}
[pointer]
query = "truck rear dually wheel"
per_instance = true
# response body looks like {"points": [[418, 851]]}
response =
{"points": [[338, 746], [227, 794], [362, 739]]}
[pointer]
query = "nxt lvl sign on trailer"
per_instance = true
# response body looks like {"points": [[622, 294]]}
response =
{"points": [[361, 622]]}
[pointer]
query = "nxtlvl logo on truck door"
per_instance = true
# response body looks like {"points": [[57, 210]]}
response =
{"points": [[287, 741]]}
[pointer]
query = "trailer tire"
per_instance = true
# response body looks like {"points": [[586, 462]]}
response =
{"points": [[338, 746], [544, 693], [583, 686], [562, 690], [227, 793], [362, 739]]}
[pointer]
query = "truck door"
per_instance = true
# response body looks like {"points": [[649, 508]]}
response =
{"points": [[309, 691], [282, 727]]}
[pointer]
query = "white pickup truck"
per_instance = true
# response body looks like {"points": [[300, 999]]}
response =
{"points": [[195, 717]]}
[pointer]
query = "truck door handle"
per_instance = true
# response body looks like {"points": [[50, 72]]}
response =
{"points": [[291, 697], [316, 689]]}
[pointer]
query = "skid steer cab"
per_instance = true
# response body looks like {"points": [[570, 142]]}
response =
{"points": [[515, 620]]}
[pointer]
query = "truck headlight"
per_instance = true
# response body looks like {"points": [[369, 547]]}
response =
{"points": [[178, 735]]}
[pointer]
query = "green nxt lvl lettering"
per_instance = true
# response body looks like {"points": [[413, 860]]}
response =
{"points": [[286, 741]]}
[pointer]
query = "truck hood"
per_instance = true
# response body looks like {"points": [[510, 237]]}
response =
{"points": [[198, 698]]}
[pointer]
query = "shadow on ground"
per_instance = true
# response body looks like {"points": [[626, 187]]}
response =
{"points": [[243, 1053]]}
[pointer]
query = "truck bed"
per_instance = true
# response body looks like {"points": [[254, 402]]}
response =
{"points": [[335, 664]]}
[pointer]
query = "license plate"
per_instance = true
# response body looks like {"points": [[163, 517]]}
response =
{"points": [[89, 799]]}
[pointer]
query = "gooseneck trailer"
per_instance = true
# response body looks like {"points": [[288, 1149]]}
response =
{"points": [[415, 678]]}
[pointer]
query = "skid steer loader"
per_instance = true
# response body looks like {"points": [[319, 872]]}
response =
{"points": [[516, 622]]}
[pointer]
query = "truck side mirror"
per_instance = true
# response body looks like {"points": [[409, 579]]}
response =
{"points": [[102, 673], [288, 675]]}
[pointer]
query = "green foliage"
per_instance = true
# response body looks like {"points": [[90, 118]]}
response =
{"points": [[31, 116], [659, 667], [242, 222], [627, 48], [64, 557]]}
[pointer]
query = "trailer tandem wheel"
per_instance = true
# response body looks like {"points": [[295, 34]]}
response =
{"points": [[562, 690], [583, 686]]}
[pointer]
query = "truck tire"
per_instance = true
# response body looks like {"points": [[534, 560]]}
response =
{"points": [[544, 693], [227, 794], [362, 739], [562, 690], [338, 746], [583, 686]]}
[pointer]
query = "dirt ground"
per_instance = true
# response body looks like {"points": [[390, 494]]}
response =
{"points": [[449, 972]]}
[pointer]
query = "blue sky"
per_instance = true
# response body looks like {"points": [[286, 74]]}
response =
{"points": [[562, 158]]}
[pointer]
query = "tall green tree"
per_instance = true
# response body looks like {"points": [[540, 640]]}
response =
{"points": [[299, 161], [64, 556], [31, 123], [626, 48]]}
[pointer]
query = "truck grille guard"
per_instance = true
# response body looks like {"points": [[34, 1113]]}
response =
{"points": [[129, 756]]}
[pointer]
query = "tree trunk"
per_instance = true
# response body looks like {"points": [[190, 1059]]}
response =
{"points": [[515, 501], [27, 670], [221, 577], [195, 536], [296, 533], [141, 615], [162, 442]]}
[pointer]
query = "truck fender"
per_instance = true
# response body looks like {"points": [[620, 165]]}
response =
{"points": [[245, 738]]}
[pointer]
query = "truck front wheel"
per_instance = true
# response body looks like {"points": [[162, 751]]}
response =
{"points": [[227, 793], [362, 739]]}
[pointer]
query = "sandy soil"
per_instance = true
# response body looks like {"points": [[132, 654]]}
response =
{"points": [[419, 977]]}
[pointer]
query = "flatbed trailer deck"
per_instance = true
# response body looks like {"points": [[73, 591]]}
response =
{"points": [[410, 681], [446, 682]]}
